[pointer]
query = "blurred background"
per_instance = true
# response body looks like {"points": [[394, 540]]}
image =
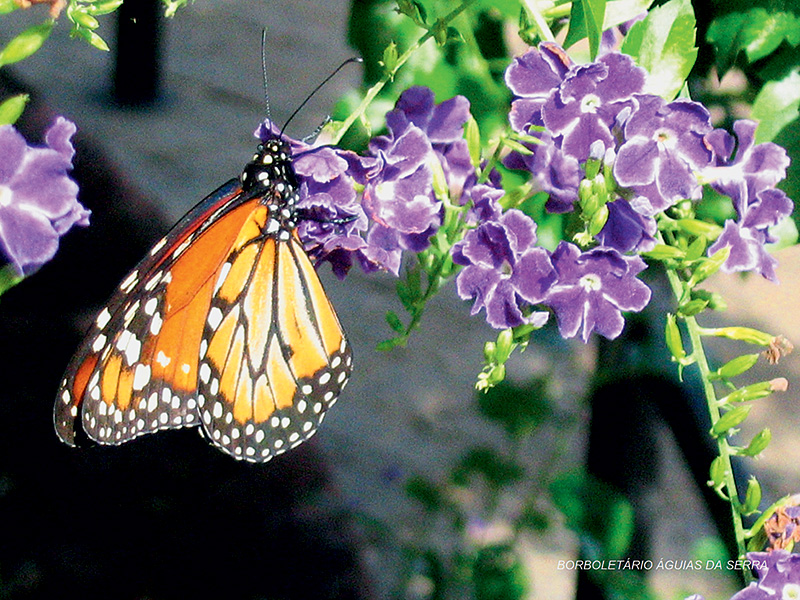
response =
{"points": [[401, 483]]}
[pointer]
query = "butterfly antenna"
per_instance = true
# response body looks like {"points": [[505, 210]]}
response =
{"points": [[264, 72], [355, 59]]}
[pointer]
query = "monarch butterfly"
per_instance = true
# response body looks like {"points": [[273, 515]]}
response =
{"points": [[224, 325]]}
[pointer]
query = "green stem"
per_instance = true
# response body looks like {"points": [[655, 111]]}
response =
{"points": [[389, 74], [699, 356]]}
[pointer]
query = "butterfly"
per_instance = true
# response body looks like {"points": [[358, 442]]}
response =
{"points": [[224, 326]]}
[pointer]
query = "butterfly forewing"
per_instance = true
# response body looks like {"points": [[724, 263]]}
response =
{"points": [[136, 370]]}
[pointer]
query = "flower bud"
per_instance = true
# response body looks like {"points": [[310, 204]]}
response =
{"points": [[673, 338], [709, 231], [752, 497], [664, 252], [717, 474], [473, 136], [505, 345], [757, 444], [737, 366], [730, 419], [693, 307], [598, 220], [709, 266], [743, 334]]}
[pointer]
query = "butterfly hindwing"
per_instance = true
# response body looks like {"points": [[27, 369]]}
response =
{"points": [[273, 357]]}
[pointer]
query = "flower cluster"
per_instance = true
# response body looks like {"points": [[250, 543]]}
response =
{"points": [[603, 146], [38, 200]]}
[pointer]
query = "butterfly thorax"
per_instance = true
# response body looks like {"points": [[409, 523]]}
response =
{"points": [[270, 174]]}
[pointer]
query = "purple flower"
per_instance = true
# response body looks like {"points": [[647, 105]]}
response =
{"points": [[588, 101], [749, 181], [331, 212], [778, 576], [593, 288], [504, 270], [532, 77], [485, 204], [38, 201], [664, 147], [399, 196], [627, 230]]}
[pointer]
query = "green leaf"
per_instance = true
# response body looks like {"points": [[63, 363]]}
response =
{"points": [[387, 345], [763, 31], [394, 322], [498, 574], [172, 6], [497, 470], [776, 106], [664, 45], [596, 511], [11, 109], [8, 278], [424, 492], [518, 409], [725, 33], [586, 20], [622, 11], [7, 6], [26, 43]]}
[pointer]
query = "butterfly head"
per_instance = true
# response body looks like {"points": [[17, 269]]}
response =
{"points": [[271, 166], [270, 176]]}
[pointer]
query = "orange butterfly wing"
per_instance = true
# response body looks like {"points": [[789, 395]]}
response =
{"points": [[273, 356], [136, 371]]}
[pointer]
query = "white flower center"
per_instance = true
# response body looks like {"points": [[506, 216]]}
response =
{"points": [[6, 195], [665, 139], [590, 282], [791, 591], [589, 103]]}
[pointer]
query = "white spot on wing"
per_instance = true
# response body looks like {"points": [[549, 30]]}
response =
{"points": [[103, 318], [214, 317]]}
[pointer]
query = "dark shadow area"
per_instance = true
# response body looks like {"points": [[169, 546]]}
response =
{"points": [[166, 516]]}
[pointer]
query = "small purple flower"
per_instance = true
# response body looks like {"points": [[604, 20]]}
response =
{"points": [[485, 204], [778, 576], [588, 101], [504, 270], [38, 200], [749, 181], [627, 230], [331, 212], [664, 148], [593, 288], [399, 196]]}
